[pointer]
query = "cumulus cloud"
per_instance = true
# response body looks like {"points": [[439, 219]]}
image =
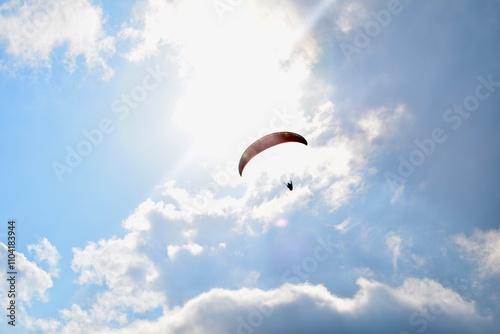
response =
{"points": [[45, 251], [39, 280], [483, 249], [130, 270], [331, 168], [133, 269], [191, 247], [128, 274], [34, 30], [132, 275], [126, 269], [416, 305]]}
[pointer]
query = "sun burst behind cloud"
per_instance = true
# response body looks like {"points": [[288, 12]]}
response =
{"points": [[235, 73]]}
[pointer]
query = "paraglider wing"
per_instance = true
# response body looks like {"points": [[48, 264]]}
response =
{"points": [[266, 142]]}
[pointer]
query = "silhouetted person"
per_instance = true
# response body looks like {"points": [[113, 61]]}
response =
{"points": [[290, 185]]}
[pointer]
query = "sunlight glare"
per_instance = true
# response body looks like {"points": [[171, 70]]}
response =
{"points": [[236, 80]]}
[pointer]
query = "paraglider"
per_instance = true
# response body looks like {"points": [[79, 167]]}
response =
{"points": [[266, 142]]}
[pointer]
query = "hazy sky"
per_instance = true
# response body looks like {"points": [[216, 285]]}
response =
{"points": [[121, 128]]}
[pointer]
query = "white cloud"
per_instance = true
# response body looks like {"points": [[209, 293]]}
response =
{"points": [[219, 76], [400, 252], [203, 203], [191, 247], [483, 249], [331, 168], [129, 269], [350, 15], [382, 123], [414, 306], [397, 192], [35, 29], [251, 279], [129, 275], [132, 271], [39, 280], [342, 227], [234, 72], [45, 251], [393, 242], [41, 325], [339, 192]]}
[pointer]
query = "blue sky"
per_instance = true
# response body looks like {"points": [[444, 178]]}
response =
{"points": [[122, 125]]}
